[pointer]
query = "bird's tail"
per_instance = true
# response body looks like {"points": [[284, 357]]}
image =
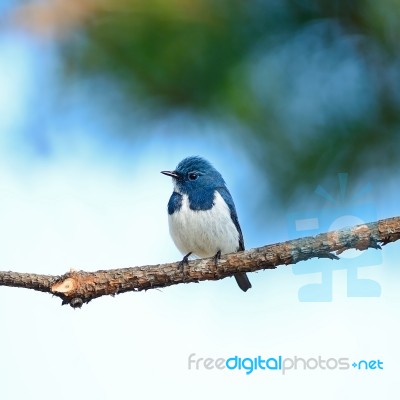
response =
{"points": [[243, 281]]}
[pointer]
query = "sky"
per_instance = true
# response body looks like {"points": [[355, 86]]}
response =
{"points": [[86, 200]]}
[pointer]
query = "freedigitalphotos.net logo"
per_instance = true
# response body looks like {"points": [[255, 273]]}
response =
{"points": [[280, 363]]}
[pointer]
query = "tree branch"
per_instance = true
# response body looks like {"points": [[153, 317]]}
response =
{"points": [[78, 287]]}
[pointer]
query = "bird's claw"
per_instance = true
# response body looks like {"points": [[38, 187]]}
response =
{"points": [[217, 257], [185, 261]]}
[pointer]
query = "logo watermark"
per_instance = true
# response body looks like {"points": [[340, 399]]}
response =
{"points": [[280, 363], [340, 210]]}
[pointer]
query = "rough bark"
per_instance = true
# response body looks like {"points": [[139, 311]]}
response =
{"points": [[78, 287]]}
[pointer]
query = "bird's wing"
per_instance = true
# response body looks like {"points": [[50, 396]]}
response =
{"points": [[224, 192]]}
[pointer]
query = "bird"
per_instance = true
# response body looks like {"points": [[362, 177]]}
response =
{"points": [[202, 217]]}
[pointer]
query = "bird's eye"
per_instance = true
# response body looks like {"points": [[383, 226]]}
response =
{"points": [[193, 176]]}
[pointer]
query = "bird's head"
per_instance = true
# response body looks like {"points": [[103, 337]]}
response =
{"points": [[195, 173]]}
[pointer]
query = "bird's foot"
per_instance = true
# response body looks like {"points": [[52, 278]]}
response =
{"points": [[217, 257], [185, 261]]}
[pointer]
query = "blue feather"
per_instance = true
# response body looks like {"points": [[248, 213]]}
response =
{"points": [[224, 192], [202, 199], [175, 203]]}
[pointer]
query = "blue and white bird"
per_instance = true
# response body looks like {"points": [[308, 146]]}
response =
{"points": [[201, 214]]}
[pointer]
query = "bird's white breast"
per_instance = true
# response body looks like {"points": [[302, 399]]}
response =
{"points": [[204, 232]]}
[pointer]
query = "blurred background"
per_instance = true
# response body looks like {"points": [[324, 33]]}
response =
{"points": [[295, 102]]}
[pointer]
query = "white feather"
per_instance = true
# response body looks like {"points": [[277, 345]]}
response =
{"points": [[206, 232]]}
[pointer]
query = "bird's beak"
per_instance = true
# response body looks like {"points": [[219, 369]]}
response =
{"points": [[171, 173]]}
